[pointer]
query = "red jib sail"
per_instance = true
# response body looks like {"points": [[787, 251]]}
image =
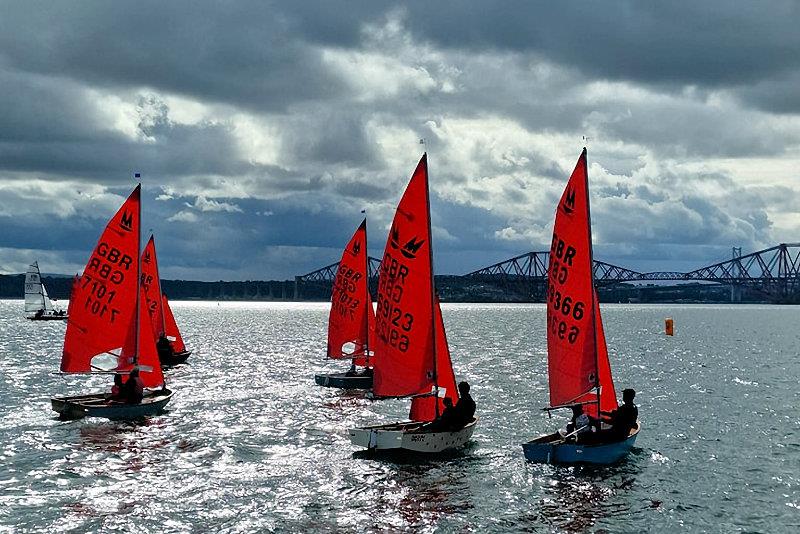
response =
{"points": [[404, 318], [172, 332], [140, 348], [105, 296], [152, 288], [351, 317], [423, 408], [575, 340]]}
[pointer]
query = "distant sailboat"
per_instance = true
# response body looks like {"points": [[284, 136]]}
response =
{"points": [[38, 306], [578, 366], [109, 330], [169, 342], [413, 356], [351, 320]]}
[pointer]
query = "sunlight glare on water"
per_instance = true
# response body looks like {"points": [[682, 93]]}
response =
{"points": [[249, 443]]}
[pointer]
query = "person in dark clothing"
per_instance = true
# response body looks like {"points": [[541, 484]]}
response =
{"points": [[465, 409], [623, 419], [133, 389], [164, 347], [116, 389], [582, 424], [447, 420]]}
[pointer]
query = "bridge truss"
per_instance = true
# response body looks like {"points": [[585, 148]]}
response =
{"points": [[773, 272]]}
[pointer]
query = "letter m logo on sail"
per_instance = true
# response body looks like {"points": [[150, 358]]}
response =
{"points": [[126, 221], [569, 202]]}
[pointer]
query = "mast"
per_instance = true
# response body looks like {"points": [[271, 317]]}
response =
{"points": [[368, 299], [433, 287], [160, 294], [591, 277], [138, 274]]}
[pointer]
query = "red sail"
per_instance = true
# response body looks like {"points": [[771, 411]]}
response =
{"points": [[73, 292], [105, 296], [141, 352], [351, 316], [404, 318], [152, 288], [172, 332], [571, 325], [423, 408]]}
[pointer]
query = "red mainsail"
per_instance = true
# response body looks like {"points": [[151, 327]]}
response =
{"points": [[140, 348], [575, 340], [172, 332], [152, 288], [351, 317], [404, 334], [423, 408], [105, 296]]}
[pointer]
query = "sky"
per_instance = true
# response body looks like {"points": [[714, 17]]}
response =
{"points": [[262, 129]]}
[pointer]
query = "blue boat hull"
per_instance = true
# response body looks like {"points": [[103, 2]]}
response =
{"points": [[98, 405], [551, 449], [342, 381]]}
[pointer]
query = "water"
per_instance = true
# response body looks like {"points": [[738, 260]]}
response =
{"points": [[250, 444]]}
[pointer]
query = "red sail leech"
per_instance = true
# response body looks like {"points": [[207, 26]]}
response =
{"points": [[351, 317], [171, 327], [105, 296], [152, 288], [423, 408], [404, 318], [575, 341]]}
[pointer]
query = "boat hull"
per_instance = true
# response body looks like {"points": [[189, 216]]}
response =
{"points": [[176, 358], [98, 405], [49, 318], [410, 436], [551, 449], [342, 381]]}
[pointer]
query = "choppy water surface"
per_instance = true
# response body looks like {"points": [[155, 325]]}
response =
{"points": [[251, 444]]}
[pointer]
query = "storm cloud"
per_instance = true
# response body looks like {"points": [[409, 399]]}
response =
{"points": [[262, 129]]}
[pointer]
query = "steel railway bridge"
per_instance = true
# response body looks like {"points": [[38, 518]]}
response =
{"points": [[773, 272]]}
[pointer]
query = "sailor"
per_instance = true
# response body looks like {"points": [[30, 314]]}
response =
{"points": [[581, 424], [39, 313], [465, 409], [164, 347], [623, 419], [447, 420], [352, 371], [116, 389], [133, 389]]}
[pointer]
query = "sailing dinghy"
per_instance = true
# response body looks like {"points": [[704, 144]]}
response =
{"points": [[109, 330], [351, 319], [578, 367], [168, 339], [414, 359], [38, 306]]}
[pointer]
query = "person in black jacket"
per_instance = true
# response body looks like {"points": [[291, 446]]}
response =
{"points": [[465, 409], [133, 389], [623, 419]]}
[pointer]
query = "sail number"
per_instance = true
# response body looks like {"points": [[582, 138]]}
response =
{"points": [[344, 287], [99, 298], [391, 322]]}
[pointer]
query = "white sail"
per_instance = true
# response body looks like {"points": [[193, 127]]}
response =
{"points": [[36, 298]]}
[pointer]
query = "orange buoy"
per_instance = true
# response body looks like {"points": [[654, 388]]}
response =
{"points": [[669, 326]]}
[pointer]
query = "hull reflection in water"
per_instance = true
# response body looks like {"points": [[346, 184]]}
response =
{"points": [[551, 449], [410, 436], [98, 405]]}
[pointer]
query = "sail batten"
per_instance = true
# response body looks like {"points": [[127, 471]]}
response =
{"points": [[578, 364]]}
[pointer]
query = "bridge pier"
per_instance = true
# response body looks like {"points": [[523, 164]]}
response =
{"points": [[736, 293]]}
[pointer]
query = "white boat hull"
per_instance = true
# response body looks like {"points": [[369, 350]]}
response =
{"points": [[410, 436]]}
